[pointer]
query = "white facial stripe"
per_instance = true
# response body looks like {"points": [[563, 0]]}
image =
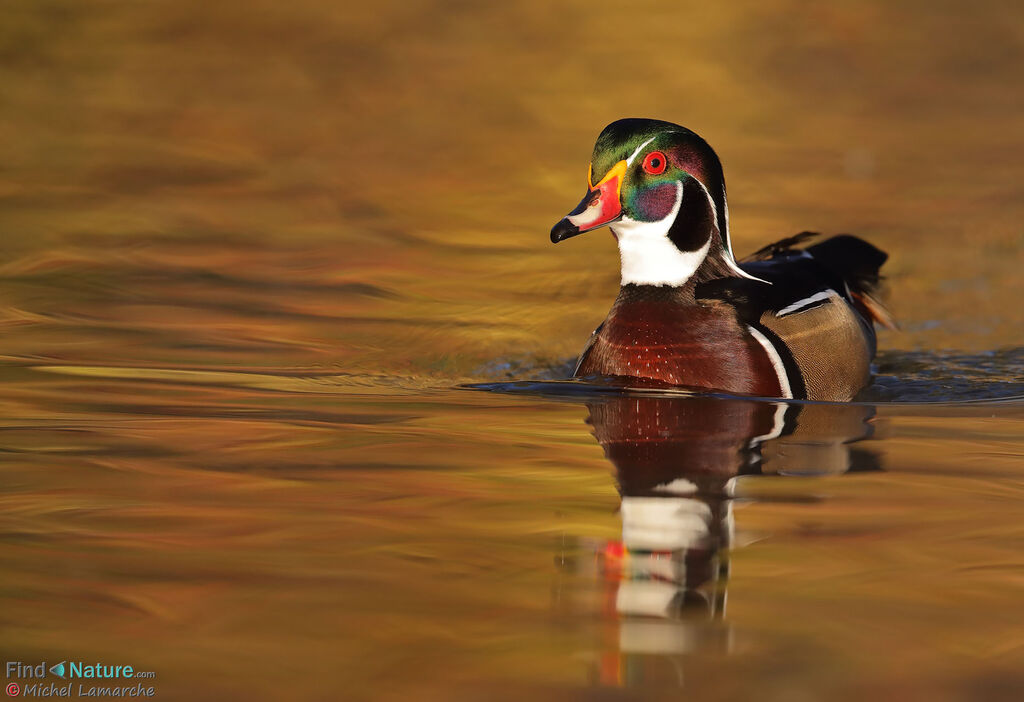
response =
{"points": [[776, 359], [649, 257], [728, 257], [725, 220], [632, 157], [731, 262]]}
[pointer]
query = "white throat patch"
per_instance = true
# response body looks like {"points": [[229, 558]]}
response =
{"points": [[649, 257]]}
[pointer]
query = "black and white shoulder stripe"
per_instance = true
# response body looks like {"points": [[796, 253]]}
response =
{"points": [[791, 380], [822, 297]]}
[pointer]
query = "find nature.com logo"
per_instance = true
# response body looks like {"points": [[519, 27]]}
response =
{"points": [[93, 673]]}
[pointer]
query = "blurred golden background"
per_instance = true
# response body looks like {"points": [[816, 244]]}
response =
{"points": [[156, 153]]}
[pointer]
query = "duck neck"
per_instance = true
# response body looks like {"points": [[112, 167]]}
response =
{"points": [[680, 250]]}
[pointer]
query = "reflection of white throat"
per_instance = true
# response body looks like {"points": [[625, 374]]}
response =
{"points": [[649, 257]]}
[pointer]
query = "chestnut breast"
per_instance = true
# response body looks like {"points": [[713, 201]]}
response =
{"points": [[663, 334]]}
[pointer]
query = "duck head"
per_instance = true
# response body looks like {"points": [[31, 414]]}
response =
{"points": [[660, 188]]}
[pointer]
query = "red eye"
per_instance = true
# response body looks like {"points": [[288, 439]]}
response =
{"points": [[655, 162]]}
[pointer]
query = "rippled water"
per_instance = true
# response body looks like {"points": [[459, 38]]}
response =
{"points": [[284, 411]]}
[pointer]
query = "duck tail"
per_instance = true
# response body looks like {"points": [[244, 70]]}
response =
{"points": [[857, 263]]}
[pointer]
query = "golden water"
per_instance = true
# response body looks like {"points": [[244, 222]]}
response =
{"points": [[249, 256]]}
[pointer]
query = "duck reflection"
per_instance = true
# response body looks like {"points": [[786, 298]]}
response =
{"points": [[677, 460]]}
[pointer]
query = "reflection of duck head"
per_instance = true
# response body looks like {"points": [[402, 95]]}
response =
{"points": [[676, 459]]}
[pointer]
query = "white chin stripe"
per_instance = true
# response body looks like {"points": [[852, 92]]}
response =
{"points": [[649, 257]]}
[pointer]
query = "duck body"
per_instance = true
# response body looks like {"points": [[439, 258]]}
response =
{"points": [[787, 322], [660, 334]]}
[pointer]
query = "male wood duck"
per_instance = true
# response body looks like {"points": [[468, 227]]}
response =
{"points": [[786, 322]]}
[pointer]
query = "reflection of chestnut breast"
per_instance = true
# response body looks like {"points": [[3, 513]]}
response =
{"points": [[654, 440]]}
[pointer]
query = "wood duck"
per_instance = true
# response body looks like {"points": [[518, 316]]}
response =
{"points": [[786, 322]]}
